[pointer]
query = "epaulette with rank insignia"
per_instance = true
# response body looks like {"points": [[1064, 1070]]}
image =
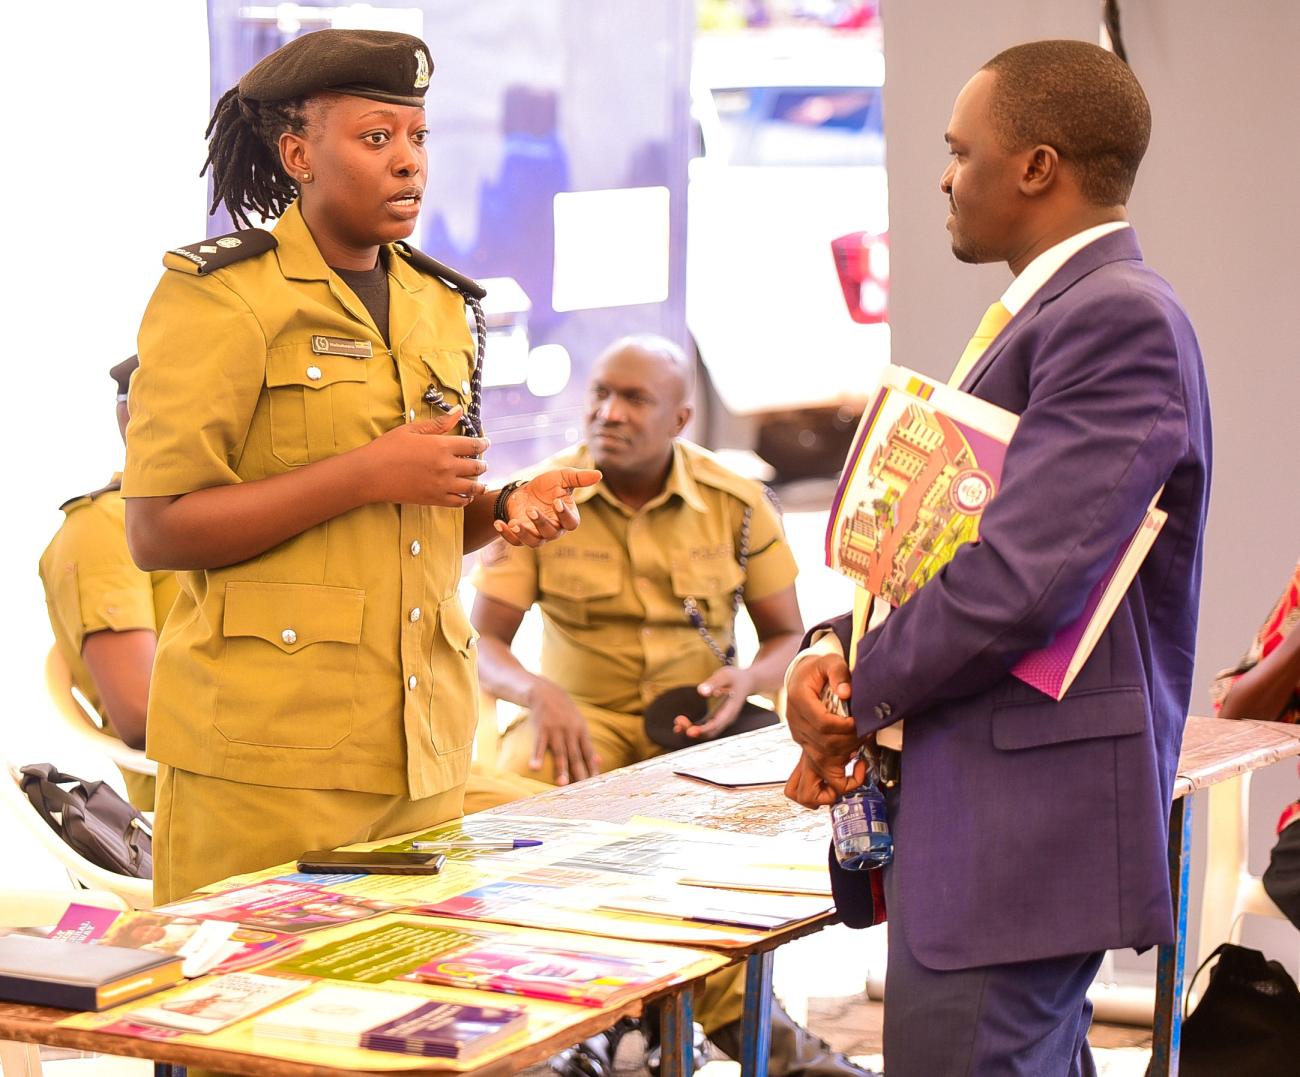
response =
{"points": [[221, 251], [435, 268]]}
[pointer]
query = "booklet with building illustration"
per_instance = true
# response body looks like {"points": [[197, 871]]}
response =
{"points": [[925, 462]]}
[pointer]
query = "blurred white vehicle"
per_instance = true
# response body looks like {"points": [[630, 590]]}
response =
{"points": [[792, 160]]}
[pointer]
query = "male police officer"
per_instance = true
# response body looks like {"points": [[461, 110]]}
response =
{"points": [[105, 612], [642, 599]]}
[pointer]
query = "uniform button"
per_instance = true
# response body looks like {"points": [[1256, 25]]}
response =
{"points": [[411, 682], [289, 636], [887, 709], [313, 372], [465, 387], [415, 548], [415, 614], [410, 416]]}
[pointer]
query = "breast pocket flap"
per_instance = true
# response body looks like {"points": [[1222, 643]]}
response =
{"points": [[1112, 712], [706, 576], [579, 579], [292, 616], [299, 366]]}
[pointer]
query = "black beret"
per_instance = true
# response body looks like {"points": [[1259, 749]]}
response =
{"points": [[378, 64], [122, 373]]}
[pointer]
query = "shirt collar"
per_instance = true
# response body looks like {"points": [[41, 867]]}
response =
{"points": [[301, 259], [1043, 268], [681, 482]]}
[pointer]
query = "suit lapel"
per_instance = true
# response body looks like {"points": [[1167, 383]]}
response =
{"points": [[1118, 246]]}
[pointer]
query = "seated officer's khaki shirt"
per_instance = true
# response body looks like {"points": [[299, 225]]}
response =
{"points": [[615, 633], [340, 659], [92, 585]]}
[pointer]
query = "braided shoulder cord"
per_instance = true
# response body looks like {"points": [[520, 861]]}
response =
{"points": [[692, 607], [473, 421]]}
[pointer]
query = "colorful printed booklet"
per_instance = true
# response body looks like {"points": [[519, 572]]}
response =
{"points": [[446, 1030], [206, 945], [925, 462], [281, 906], [589, 972], [215, 1002]]}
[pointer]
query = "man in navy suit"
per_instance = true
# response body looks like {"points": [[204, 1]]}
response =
{"points": [[1030, 834]]}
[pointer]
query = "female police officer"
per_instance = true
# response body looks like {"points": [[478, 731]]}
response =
{"points": [[293, 450]]}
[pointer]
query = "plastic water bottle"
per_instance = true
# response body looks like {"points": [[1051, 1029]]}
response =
{"points": [[860, 827]]}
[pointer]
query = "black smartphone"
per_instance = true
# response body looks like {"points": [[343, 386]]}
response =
{"points": [[332, 861]]}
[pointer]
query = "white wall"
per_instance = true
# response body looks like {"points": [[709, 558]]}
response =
{"points": [[1215, 209], [105, 105]]}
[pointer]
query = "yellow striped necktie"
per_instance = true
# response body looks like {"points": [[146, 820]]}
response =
{"points": [[994, 321]]}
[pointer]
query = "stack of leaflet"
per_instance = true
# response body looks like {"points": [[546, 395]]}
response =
{"points": [[446, 1030], [335, 1014]]}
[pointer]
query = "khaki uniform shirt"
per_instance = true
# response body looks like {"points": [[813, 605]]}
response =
{"points": [[615, 632], [340, 659], [92, 585]]}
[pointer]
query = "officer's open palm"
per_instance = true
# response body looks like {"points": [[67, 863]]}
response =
{"points": [[424, 463], [730, 687], [543, 508], [560, 729]]}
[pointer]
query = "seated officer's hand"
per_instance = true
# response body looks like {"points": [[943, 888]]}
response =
{"points": [[828, 740], [736, 685], [423, 464], [559, 728], [807, 787], [543, 508]]}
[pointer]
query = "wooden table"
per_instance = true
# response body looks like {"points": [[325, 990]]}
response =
{"points": [[1213, 751]]}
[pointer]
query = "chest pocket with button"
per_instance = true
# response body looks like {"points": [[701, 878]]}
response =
{"points": [[318, 403], [288, 675], [712, 582], [575, 588]]}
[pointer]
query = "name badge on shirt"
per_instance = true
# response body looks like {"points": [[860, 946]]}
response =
{"points": [[357, 349]]}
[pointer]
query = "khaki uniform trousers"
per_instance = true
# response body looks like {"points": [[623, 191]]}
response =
{"points": [[207, 829], [620, 740]]}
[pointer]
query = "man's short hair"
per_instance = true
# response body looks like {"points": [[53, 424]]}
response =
{"points": [[1081, 100]]}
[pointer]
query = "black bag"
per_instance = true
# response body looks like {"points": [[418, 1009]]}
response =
{"points": [[1247, 1022], [92, 819]]}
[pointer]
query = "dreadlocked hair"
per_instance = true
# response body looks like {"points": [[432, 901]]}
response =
{"points": [[244, 155]]}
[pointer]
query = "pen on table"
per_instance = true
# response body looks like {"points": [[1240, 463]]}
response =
{"points": [[484, 843]]}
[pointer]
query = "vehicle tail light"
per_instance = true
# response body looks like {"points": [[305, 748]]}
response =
{"points": [[862, 262]]}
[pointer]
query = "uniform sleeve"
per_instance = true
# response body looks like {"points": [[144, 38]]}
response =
{"points": [[507, 573], [771, 567], [93, 585], [202, 366]]}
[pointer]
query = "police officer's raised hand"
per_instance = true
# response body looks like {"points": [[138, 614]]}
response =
{"points": [[732, 686], [828, 740], [423, 463], [543, 508], [559, 728]]}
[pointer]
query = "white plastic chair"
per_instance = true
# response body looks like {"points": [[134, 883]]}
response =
{"points": [[1231, 892], [40, 908], [83, 725], [14, 806]]}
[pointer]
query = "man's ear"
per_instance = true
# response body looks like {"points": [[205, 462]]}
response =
{"points": [[684, 414], [1041, 172]]}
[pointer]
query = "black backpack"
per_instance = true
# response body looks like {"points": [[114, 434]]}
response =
{"points": [[92, 819]]}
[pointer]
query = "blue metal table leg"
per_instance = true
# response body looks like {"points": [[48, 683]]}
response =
{"points": [[677, 1035], [1171, 961], [756, 1025]]}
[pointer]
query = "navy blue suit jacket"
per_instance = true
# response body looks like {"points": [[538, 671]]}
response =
{"points": [[1029, 828]]}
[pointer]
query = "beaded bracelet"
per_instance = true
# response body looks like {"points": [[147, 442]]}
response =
{"points": [[499, 508]]}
